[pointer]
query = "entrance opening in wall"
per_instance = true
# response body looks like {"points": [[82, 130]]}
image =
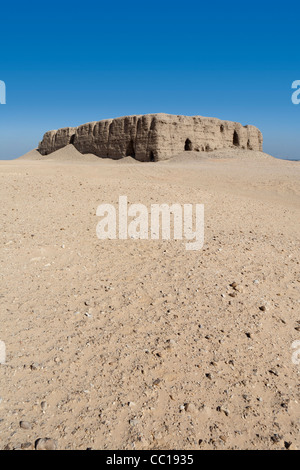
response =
{"points": [[188, 145], [130, 150], [236, 140], [152, 158]]}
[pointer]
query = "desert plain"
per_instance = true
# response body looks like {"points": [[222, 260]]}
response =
{"points": [[141, 344]]}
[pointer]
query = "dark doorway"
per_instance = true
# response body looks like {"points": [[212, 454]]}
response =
{"points": [[236, 140], [130, 150], [72, 139], [221, 128], [152, 157], [188, 145], [249, 145]]}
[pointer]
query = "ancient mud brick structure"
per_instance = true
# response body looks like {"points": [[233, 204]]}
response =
{"points": [[153, 137]]}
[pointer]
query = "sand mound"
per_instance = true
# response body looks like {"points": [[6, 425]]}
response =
{"points": [[238, 154], [32, 155], [126, 160], [68, 153], [71, 153]]}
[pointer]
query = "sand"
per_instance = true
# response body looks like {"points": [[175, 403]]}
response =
{"points": [[140, 344], [67, 153]]}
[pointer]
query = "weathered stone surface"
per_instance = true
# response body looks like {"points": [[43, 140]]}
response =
{"points": [[153, 137]]}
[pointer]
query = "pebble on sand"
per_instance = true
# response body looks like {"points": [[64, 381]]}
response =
{"points": [[25, 425], [190, 408], [45, 444], [44, 405]]}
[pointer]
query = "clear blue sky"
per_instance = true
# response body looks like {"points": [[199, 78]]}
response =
{"points": [[66, 63]]}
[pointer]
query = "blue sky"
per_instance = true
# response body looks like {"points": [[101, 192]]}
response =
{"points": [[67, 63]]}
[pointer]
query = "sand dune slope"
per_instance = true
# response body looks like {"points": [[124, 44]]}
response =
{"points": [[68, 153]]}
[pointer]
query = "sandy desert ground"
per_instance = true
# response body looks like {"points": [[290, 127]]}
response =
{"points": [[141, 344]]}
